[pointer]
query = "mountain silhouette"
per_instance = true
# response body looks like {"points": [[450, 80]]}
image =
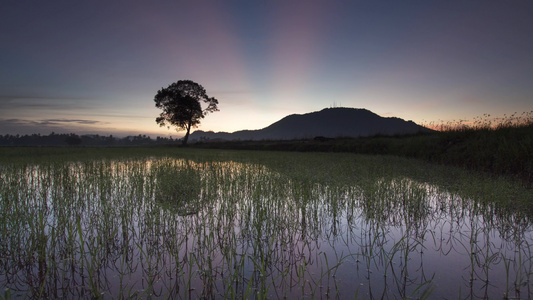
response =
{"points": [[327, 123]]}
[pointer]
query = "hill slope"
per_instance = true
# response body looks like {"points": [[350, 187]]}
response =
{"points": [[329, 122]]}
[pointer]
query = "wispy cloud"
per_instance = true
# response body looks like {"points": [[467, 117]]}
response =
{"points": [[16, 97], [15, 125], [18, 102], [49, 122], [66, 121], [79, 126]]}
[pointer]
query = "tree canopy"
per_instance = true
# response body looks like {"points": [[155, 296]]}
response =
{"points": [[182, 107]]}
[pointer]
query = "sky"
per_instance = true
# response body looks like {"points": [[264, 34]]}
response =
{"points": [[95, 66]]}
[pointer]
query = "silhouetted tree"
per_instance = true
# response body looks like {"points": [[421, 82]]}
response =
{"points": [[181, 105]]}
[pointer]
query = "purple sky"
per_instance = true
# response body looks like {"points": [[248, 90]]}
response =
{"points": [[95, 66]]}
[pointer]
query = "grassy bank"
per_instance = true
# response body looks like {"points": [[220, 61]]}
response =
{"points": [[505, 150]]}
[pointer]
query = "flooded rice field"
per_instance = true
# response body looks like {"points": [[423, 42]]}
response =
{"points": [[225, 225]]}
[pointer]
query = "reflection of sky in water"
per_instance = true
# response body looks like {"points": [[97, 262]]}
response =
{"points": [[253, 228]]}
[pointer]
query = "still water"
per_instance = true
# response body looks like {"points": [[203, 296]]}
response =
{"points": [[181, 228]]}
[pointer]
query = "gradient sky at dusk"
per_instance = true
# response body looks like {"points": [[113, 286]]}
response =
{"points": [[95, 66]]}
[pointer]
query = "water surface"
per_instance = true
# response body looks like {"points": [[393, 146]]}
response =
{"points": [[317, 226]]}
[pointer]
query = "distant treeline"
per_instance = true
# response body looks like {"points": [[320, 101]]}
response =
{"points": [[72, 139]]}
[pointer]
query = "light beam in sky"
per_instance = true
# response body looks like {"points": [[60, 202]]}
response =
{"points": [[103, 62]]}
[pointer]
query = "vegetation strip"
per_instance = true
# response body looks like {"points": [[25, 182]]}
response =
{"points": [[505, 150]]}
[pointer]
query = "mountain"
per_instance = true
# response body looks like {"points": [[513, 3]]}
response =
{"points": [[328, 123]]}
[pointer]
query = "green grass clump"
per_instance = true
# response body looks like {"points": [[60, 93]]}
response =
{"points": [[178, 187]]}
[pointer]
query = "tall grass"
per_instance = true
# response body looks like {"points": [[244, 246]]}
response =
{"points": [[484, 122], [219, 224]]}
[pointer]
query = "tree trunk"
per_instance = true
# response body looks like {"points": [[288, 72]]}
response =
{"points": [[186, 137]]}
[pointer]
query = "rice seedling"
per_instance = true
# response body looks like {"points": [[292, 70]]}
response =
{"points": [[189, 223]]}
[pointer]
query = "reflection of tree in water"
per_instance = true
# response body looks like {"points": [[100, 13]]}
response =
{"points": [[178, 187]]}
